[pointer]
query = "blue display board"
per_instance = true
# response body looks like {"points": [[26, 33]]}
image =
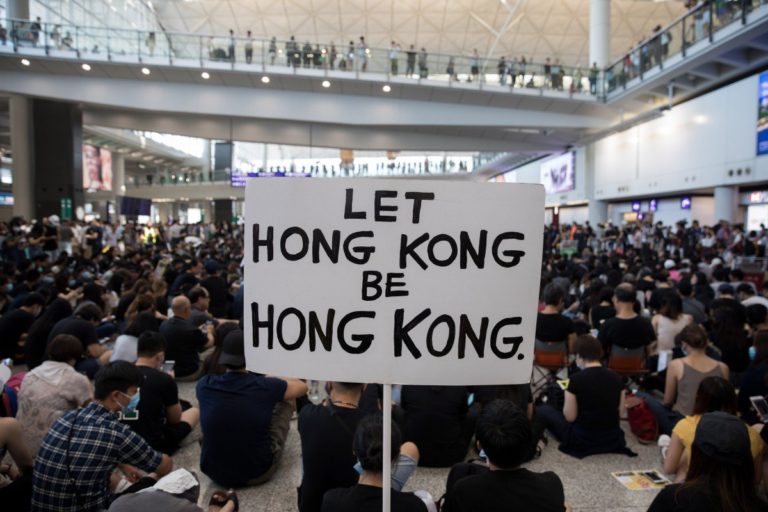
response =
{"points": [[762, 115]]}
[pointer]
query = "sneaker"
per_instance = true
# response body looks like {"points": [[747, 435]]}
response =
{"points": [[663, 443]]}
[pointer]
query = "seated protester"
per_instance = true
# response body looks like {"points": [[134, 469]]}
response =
{"points": [[248, 454], [518, 394], [604, 309], [93, 442], [669, 321], [211, 364], [126, 344], [745, 293], [721, 476], [184, 341], [327, 459], [551, 325], [82, 325], [732, 340], [161, 421], [504, 434], [37, 339], [15, 325], [16, 494], [726, 298], [436, 420], [174, 498], [755, 380], [683, 378], [589, 421], [365, 496], [52, 389], [200, 299], [757, 317], [627, 329], [691, 305], [188, 278], [217, 289], [714, 394]]}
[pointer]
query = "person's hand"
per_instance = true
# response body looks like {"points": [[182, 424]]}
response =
{"points": [[131, 473], [211, 329]]}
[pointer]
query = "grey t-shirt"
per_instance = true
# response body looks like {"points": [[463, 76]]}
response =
{"points": [[152, 500]]}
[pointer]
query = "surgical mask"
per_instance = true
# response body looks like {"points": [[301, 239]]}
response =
{"points": [[685, 352], [9, 287], [86, 275], [752, 353], [133, 403], [47, 280]]}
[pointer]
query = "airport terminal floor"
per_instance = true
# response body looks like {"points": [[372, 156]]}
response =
{"points": [[488, 256]]}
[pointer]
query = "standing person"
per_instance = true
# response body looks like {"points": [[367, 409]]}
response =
{"points": [[249, 454], [504, 433], [423, 68], [3, 35], [593, 73], [502, 70], [410, 61], [362, 54], [231, 45], [474, 65], [521, 70], [35, 28], [66, 234], [334, 56], [51, 237], [272, 51], [394, 52], [366, 496], [184, 341], [306, 54], [249, 48], [450, 70], [151, 44], [83, 447], [589, 421]]}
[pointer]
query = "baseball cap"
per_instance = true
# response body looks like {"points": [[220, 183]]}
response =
{"points": [[669, 264], [726, 289], [212, 266], [723, 437], [233, 349]]}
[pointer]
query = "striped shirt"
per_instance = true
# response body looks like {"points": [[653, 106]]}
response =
{"points": [[98, 443]]}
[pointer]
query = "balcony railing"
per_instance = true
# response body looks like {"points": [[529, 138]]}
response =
{"points": [[209, 52]]}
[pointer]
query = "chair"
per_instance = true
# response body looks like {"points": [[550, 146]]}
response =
{"points": [[549, 357], [627, 362]]}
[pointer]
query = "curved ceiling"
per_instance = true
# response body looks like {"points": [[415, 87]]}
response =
{"points": [[534, 28]]}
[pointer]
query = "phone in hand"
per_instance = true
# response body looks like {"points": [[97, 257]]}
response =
{"points": [[761, 407], [168, 367]]}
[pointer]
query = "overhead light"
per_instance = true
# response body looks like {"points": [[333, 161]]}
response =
{"points": [[86, 67], [205, 75], [145, 71], [326, 84], [386, 88], [25, 62], [265, 79]]}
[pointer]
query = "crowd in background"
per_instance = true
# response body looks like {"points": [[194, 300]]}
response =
{"points": [[107, 320]]}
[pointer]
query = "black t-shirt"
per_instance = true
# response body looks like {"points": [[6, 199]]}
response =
{"points": [[186, 278], [365, 498], [123, 304], [435, 419], [684, 498], [217, 289], [598, 393], [738, 309], [158, 392], [81, 329], [553, 327], [326, 452], [633, 332], [183, 343], [598, 314], [501, 491], [12, 326]]}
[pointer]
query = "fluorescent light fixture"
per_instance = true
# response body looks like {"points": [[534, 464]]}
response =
{"points": [[145, 71], [265, 79], [205, 75], [86, 67], [326, 84], [386, 88], [25, 62]]}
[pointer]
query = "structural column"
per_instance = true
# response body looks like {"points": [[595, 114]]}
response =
{"points": [[599, 32], [118, 182], [21, 148], [726, 203]]}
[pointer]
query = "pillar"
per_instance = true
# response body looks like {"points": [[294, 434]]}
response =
{"points": [[118, 181], [599, 32], [726, 203], [222, 210], [57, 129], [21, 149], [18, 9], [207, 211], [597, 212]]}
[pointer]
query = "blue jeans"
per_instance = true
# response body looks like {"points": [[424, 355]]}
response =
{"points": [[402, 470], [666, 418]]}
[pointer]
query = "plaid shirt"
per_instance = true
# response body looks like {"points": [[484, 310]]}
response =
{"points": [[99, 442]]}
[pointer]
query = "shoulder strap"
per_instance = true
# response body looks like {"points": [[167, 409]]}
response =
{"points": [[338, 419]]}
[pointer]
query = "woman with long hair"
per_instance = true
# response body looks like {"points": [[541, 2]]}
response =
{"points": [[126, 345], [729, 335], [755, 379]]}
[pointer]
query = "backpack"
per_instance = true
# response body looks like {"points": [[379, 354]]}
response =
{"points": [[642, 421], [459, 471], [9, 396]]}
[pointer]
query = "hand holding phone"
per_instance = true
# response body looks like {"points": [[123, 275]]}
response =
{"points": [[168, 367], [761, 407]]}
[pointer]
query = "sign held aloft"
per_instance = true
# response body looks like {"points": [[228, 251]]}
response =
{"points": [[392, 281]]}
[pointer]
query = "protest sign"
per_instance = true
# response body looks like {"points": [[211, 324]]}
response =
{"points": [[392, 281]]}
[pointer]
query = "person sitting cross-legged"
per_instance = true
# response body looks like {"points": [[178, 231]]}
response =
{"points": [[82, 448], [505, 435]]}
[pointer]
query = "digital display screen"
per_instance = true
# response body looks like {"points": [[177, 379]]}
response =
{"points": [[653, 205], [558, 174], [97, 168], [685, 203], [762, 114], [237, 178]]}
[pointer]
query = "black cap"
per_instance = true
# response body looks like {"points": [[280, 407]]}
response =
{"points": [[233, 349], [723, 437], [725, 289]]}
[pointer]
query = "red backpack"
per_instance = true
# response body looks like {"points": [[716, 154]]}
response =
{"points": [[642, 421], [9, 395]]}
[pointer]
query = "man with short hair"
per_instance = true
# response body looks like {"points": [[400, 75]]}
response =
{"points": [[83, 447], [15, 325], [82, 325], [184, 341], [746, 295], [161, 421], [217, 289], [244, 418], [504, 434], [627, 329], [200, 300], [691, 305]]}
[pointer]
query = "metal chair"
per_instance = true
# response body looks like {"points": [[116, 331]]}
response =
{"points": [[628, 362], [549, 358]]}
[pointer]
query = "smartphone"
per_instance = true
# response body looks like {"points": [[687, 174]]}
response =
{"points": [[655, 477], [130, 416], [761, 406], [168, 366]]}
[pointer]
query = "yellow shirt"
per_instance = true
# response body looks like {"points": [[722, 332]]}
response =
{"points": [[686, 430]]}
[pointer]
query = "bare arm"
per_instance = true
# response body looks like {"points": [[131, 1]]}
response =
{"points": [[674, 457], [165, 467], [570, 407], [173, 414], [295, 389], [10, 437], [670, 388]]}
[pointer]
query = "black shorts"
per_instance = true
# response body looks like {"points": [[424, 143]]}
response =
{"points": [[173, 435]]}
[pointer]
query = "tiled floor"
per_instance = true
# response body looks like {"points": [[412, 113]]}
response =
{"points": [[588, 483]]}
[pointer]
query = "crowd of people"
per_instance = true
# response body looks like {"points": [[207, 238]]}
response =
{"points": [[103, 322]]}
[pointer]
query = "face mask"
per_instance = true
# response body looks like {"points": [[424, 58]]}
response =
{"points": [[132, 403], [685, 352], [752, 353], [86, 275], [9, 287], [47, 280]]}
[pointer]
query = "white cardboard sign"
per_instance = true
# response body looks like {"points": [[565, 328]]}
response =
{"points": [[392, 281]]}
